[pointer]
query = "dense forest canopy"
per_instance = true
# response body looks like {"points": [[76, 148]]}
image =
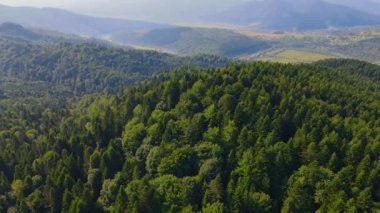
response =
{"points": [[27, 67], [260, 137]]}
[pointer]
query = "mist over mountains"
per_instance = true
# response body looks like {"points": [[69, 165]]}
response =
{"points": [[9, 29], [295, 15], [132, 33], [369, 6], [271, 15], [267, 14], [68, 22]]}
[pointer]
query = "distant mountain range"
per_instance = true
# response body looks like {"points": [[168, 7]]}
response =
{"points": [[295, 15], [369, 6], [15, 32], [276, 15], [263, 14], [67, 22], [172, 39]]}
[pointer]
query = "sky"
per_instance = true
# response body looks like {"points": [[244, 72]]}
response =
{"points": [[152, 10]]}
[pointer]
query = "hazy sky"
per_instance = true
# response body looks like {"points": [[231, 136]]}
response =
{"points": [[155, 10]]}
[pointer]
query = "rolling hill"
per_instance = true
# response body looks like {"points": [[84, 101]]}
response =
{"points": [[32, 67], [186, 40]]}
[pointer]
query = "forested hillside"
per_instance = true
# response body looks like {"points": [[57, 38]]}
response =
{"points": [[261, 137], [187, 41], [28, 67], [359, 68]]}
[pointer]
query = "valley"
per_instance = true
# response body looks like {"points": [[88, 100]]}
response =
{"points": [[252, 106], [216, 38], [359, 43]]}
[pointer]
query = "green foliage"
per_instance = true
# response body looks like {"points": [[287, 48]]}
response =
{"points": [[181, 162], [260, 137]]}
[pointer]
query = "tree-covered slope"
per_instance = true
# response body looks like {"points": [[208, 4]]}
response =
{"points": [[13, 30], [187, 41], [260, 137], [79, 67], [360, 68]]}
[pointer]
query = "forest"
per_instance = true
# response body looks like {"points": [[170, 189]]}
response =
{"points": [[68, 68], [246, 137]]}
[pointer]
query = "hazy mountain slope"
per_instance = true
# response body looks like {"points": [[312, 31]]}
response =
{"points": [[368, 49], [295, 15], [67, 22], [179, 40], [369, 6], [185, 40], [15, 30]]}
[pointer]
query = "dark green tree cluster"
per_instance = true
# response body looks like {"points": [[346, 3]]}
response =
{"points": [[260, 137], [359, 68]]}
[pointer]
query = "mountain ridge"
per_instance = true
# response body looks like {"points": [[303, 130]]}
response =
{"points": [[69, 22], [18, 31], [295, 15], [369, 6]]}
